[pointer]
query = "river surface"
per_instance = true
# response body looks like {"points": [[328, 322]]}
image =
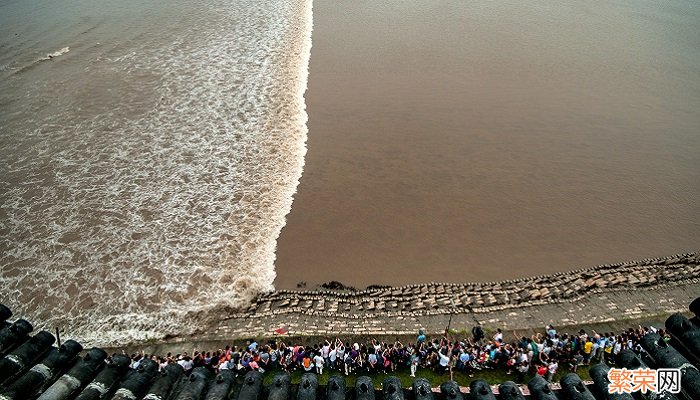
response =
{"points": [[460, 141], [149, 152]]}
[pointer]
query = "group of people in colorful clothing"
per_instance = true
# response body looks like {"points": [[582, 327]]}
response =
{"points": [[542, 353]]}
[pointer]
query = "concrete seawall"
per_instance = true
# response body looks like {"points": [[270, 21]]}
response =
{"points": [[591, 295]]}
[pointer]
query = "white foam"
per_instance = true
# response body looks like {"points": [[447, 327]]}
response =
{"points": [[43, 370], [98, 386], [124, 393], [149, 201], [57, 53]]}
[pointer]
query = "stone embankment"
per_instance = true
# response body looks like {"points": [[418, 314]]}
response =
{"points": [[445, 298], [589, 295]]}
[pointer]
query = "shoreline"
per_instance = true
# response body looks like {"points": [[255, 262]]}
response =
{"points": [[604, 294]]}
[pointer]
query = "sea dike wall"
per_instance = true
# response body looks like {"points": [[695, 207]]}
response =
{"points": [[446, 298], [590, 295]]}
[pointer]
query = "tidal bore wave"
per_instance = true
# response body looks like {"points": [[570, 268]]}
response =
{"points": [[143, 188]]}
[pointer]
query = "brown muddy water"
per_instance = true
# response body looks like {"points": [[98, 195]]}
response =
{"points": [[474, 141]]}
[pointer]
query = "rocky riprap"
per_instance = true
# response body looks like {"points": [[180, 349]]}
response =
{"points": [[448, 298]]}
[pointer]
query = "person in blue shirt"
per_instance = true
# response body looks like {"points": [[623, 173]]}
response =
{"points": [[463, 360], [252, 346], [421, 336]]}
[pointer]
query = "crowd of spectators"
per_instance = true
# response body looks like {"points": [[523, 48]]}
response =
{"points": [[542, 353]]}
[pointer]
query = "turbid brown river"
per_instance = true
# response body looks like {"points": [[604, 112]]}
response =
{"points": [[470, 140]]}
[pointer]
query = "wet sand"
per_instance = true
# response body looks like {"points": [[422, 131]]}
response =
{"points": [[473, 142]]}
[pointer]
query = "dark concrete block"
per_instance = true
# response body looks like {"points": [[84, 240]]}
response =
{"points": [[450, 391], [14, 335], [391, 387], [666, 356], [36, 380], [107, 378], [308, 387], [164, 382], [480, 390], [24, 356], [220, 387], [335, 390], [252, 386], [84, 370], [540, 389], [197, 383], [573, 388], [136, 382], [422, 390], [510, 391], [364, 388], [599, 374]]}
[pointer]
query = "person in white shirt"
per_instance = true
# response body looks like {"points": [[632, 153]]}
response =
{"points": [[522, 357], [332, 356], [325, 352], [444, 362], [594, 349], [414, 363], [372, 360], [552, 370], [186, 363], [522, 370], [340, 357], [498, 337], [319, 361], [348, 363]]}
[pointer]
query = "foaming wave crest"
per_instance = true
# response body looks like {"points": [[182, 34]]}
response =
{"points": [[57, 53], [143, 194]]}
